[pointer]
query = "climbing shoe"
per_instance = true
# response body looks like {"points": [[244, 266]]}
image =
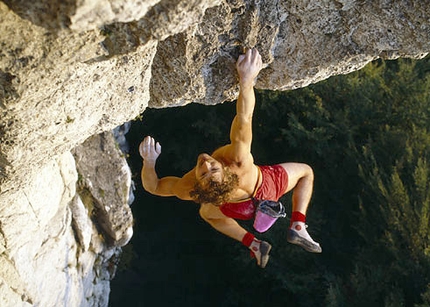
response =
{"points": [[297, 234], [260, 251]]}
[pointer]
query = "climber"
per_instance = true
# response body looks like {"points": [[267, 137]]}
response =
{"points": [[227, 182]]}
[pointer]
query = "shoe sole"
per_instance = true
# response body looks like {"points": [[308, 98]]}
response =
{"points": [[294, 238], [264, 250]]}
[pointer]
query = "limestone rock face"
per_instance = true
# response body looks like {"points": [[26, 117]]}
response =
{"points": [[60, 234], [105, 185], [72, 70]]}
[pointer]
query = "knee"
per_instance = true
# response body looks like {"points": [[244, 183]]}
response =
{"points": [[307, 175], [296, 170], [204, 212], [211, 214], [308, 172]]}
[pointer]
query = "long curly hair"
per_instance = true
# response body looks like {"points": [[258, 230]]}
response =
{"points": [[214, 192]]}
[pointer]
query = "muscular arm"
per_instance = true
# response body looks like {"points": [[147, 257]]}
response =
{"points": [[154, 185], [248, 67], [241, 128], [166, 186]]}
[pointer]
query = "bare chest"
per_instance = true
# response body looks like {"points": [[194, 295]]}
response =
{"points": [[249, 181]]}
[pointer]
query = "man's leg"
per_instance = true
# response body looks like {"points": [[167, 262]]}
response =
{"points": [[300, 180], [228, 226]]}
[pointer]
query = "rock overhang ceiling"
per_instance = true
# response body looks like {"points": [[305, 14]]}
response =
{"points": [[72, 69]]}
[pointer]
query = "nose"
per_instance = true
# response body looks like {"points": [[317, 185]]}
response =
{"points": [[202, 158], [207, 165]]}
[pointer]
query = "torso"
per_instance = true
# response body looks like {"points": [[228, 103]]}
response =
{"points": [[248, 174], [248, 183], [249, 179]]}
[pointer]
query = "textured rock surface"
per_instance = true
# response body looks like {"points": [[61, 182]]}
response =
{"points": [[70, 70], [105, 186], [60, 239]]}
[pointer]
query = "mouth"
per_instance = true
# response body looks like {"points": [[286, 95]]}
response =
{"points": [[210, 177]]}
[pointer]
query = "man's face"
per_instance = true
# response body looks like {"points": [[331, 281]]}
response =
{"points": [[208, 168]]}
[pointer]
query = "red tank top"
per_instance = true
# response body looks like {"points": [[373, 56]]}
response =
{"points": [[243, 209]]}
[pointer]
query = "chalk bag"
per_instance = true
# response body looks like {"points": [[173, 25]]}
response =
{"points": [[267, 212]]}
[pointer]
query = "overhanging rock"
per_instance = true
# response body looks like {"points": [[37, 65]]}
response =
{"points": [[70, 70]]}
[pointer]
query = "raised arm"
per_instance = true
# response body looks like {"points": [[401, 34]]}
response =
{"points": [[248, 66], [166, 186]]}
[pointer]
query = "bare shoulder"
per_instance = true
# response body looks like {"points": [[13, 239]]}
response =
{"points": [[185, 185], [228, 156]]}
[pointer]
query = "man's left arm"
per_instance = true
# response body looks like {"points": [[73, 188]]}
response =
{"points": [[248, 66]]}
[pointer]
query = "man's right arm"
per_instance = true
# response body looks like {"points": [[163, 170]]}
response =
{"points": [[166, 186]]}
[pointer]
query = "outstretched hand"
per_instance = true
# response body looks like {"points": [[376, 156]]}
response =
{"points": [[149, 150], [248, 66]]}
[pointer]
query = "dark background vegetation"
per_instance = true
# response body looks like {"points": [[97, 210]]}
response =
{"points": [[367, 136]]}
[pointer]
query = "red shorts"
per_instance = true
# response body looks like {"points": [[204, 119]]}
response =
{"points": [[273, 186]]}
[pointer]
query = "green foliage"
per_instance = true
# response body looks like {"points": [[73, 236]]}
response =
{"points": [[393, 167], [367, 136]]}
